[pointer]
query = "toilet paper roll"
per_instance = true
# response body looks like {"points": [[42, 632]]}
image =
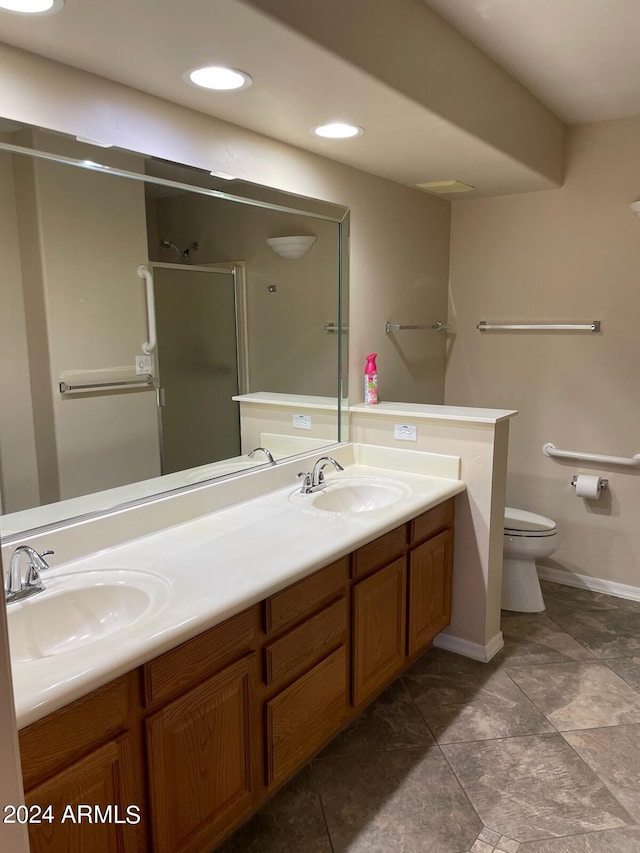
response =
{"points": [[588, 486]]}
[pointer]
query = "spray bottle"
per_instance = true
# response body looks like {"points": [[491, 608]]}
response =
{"points": [[371, 380]]}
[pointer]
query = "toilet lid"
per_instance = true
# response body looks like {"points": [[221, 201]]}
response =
{"points": [[518, 522]]}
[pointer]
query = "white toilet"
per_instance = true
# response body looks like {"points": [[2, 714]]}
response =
{"points": [[527, 537]]}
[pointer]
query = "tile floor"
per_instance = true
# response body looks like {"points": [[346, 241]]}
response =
{"points": [[537, 751]]}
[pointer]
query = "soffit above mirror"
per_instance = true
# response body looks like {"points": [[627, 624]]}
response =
{"points": [[433, 106]]}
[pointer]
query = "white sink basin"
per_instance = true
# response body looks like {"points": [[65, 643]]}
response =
{"points": [[79, 608], [355, 494]]}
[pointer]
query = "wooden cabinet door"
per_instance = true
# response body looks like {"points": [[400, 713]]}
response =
{"points": [[302, 718], [201, 761], [430, 567], [378, 638], [89, 808]]}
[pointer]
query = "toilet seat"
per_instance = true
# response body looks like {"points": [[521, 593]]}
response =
{"points": [[518, 522]]}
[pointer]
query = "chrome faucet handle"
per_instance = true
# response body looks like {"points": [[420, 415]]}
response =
{"points": [[15, 589], [307, 482]]}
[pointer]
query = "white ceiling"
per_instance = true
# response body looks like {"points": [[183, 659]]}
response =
{"points": [[576, 56]]}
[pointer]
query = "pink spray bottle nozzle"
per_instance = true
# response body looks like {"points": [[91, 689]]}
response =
{"points": [[370, 366]]}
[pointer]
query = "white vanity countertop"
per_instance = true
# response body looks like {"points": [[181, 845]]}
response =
{"points": [[216, 565]]}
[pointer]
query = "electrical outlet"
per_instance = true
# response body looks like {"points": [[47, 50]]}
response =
{"points": [[302, 421], [143, 365], [405, 432]]}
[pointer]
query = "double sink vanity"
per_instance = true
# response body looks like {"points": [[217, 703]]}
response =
{"points": [[181, 677]]}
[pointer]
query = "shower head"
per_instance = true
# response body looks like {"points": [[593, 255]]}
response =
{"points": [[184, 256]]}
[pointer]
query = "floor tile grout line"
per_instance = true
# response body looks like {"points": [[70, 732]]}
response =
{"points": [[321, 804], [597, 775], [539, 710], [565, 631], [446, 760]]}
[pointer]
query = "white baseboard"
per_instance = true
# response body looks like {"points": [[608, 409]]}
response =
{"points": [[469, 649], [619, 590]]}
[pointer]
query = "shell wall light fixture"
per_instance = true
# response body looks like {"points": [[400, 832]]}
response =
{"points": [[291, 248]]}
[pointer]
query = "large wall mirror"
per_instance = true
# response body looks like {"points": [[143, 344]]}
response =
{"points": [[143, 303]]}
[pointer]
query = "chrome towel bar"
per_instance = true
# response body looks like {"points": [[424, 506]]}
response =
{"points": [[483, 326], [435, 327], [106, 385]]}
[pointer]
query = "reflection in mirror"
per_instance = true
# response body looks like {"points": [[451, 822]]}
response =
{"points": [[115, 389]]}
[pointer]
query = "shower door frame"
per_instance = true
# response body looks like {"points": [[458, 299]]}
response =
{"points": [[238, 275]]}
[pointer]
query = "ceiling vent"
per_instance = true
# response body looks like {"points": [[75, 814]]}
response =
{"points": [[444, 187]]}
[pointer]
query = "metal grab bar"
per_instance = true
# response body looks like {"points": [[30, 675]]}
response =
{"points": [[629, 462], [106, 385], [435, 327], [483, 326], [145, 273]]}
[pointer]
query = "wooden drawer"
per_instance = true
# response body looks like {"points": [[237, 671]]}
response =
{"points": [[301, 719], [379, 553], [431, 522], [61, 738], [305, 645], [197, 659], [308, 595]]}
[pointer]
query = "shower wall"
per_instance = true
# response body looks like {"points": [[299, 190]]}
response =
{"points": [[290, 351]]}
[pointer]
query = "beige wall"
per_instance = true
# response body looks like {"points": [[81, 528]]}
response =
{"points": [[571, 254]]}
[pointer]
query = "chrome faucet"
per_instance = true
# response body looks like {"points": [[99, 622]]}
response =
{"points": [[16, 589], [265, 450], [315, 481]]}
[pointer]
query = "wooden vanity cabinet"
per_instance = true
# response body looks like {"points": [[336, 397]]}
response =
{"points": [[201, 760], [430, 570], [401, 598], [202, 735], [87, 754], [306, 669], [379, 620], [89, 805], [429, 607], [197, 738]]}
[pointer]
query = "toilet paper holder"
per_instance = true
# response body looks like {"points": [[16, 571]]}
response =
{"points": [[604, 484]]}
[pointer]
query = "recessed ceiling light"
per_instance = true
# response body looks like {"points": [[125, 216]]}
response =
{"points": [[338, 130], [219, 78], [31, 7]]}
